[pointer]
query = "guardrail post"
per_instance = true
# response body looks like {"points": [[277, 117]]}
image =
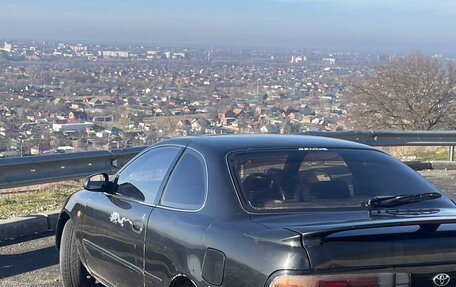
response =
{"points": [[451, 153]]}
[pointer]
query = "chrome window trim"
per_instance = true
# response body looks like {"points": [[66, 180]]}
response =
{"points": [[116, 175], [206, 189]]}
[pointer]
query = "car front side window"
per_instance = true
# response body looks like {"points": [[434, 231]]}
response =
{"points": [[142, 178]]}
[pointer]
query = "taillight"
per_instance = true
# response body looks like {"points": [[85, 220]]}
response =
{"points": [[343, 280], [334, 284]]}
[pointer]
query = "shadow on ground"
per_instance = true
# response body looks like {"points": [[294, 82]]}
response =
{"points": [[13, 264]]}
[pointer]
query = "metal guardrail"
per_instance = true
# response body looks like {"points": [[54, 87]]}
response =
{"points": [[47, 168], [29, 170], [393, 138], [396, 138]]}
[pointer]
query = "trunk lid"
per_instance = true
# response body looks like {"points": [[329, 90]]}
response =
{"points": [[359, 240]]}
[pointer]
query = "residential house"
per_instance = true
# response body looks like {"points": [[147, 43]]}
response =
{"points": [[96, 103]]}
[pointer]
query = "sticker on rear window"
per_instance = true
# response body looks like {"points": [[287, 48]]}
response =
{"points": [[313, 148]]}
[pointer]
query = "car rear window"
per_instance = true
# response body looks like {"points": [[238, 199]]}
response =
{"points": [[321, 178]]}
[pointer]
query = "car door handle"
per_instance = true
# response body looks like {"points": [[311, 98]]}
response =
{"points": [[137, 226]]}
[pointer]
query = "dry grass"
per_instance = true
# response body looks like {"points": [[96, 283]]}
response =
{"points": [[35, 199], [410, 153]]}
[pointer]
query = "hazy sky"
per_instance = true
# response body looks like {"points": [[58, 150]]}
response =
{"points": [[390, 25]]}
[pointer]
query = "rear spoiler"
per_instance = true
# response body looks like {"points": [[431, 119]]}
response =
{"points": [[426, 224]]}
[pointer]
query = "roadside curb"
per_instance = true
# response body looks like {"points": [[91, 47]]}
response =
{"points": [[438, 165], [445, 165], [28, 225]]}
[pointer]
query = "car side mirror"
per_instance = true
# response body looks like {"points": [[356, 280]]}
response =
{"points": [[97, 182]]}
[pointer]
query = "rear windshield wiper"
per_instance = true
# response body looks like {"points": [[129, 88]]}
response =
{"points": [[398, 200]]}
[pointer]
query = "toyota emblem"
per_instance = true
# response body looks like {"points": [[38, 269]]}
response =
{"points": [[441, 279]]}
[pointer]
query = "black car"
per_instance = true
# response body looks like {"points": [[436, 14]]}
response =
{"points": [[259, 210]]}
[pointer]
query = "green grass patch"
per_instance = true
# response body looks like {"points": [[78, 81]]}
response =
{"points": [[13, 205], [427, 156]]}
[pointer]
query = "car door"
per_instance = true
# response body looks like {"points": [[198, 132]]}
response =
{"points": [[177, 225], [114, 223]]}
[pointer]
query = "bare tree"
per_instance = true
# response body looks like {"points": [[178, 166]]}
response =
{"points": [[407, 92]]}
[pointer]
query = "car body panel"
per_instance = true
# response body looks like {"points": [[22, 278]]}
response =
{"points": [[74, 204], [174, 246], [380, 241], [113, 238], [224, 244]]}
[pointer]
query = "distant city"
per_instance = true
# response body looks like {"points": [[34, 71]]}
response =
{"points": [[64, 97]]}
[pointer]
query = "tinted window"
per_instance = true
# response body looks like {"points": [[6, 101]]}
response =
{"points": [[186, 188], [142, 178], [293, 179]]}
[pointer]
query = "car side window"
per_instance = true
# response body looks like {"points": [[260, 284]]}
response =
{"points": [[186, 188], [142, 178]]}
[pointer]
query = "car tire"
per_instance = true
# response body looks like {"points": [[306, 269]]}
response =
{"points": [[72, 272]]}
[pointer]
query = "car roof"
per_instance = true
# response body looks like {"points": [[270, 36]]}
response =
{"points": [[228, 143]]}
